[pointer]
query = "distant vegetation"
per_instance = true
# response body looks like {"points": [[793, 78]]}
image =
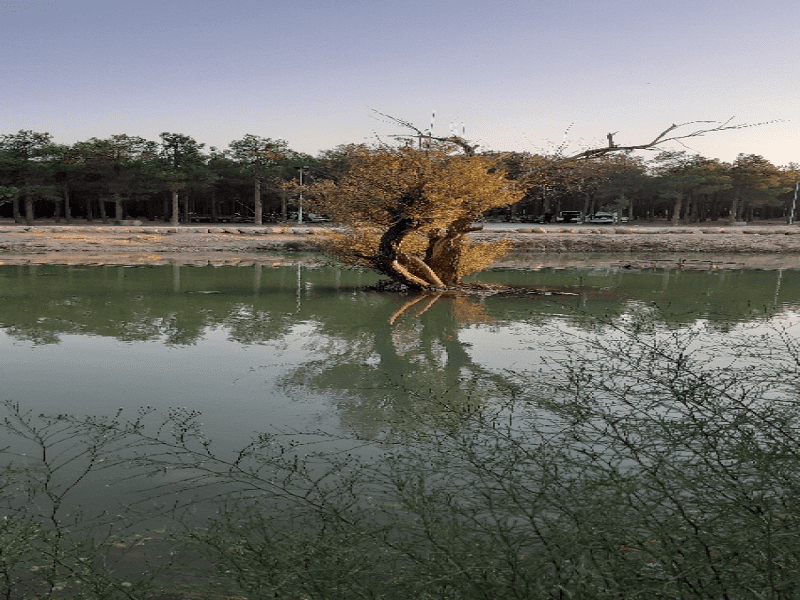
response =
{"points": [[177, 178]]}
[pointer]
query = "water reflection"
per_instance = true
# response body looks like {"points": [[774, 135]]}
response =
{"points": [[260, 345], [380, 373]]}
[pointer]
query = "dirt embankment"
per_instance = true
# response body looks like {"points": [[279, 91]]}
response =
{"points": [[762, 246]]}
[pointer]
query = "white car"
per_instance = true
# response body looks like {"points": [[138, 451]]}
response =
{"points": [[600, 218]]}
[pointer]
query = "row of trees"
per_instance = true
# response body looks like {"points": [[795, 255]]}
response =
{"points": [[678, 186], [126, 176], [135, 177]]}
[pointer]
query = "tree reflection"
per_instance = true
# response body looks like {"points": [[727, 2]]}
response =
{"points": [[383, 359], [407, 363]]}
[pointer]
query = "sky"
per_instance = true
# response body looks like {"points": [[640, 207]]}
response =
{"points": [[523, 75]]}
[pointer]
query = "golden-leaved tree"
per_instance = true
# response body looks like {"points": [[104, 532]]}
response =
{"points": [[405, 212]]}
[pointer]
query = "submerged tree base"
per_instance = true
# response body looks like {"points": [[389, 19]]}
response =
{"points": [[474, 288], [465, 296]]}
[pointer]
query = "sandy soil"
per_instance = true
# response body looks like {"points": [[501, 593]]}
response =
{"points": [[637, 246]]}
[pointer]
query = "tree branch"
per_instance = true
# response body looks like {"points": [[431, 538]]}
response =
{"points": [[660, 139], [468, 149], [612, 147]]}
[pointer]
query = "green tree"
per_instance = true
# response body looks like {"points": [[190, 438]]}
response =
{"points": [[626, 180], [257, 156], [182, 162], [684, 178], [69, 169], [25, 164], [755, 181], [119, 166]]}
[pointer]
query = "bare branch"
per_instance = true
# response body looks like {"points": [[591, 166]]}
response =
{"points": [[660, 139], [468, 149], [670, 134]]}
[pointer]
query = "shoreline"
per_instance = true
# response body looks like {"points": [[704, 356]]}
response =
{"points": [[714, 246]]}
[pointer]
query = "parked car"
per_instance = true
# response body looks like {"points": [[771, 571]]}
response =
{"points": [[197, 218], [569, 216], [601, 218], [532, 219]]}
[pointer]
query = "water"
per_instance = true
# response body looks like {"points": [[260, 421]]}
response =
{"points": [[294, 346], [258, 349]]}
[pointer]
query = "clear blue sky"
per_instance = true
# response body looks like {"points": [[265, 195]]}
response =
{"points": [[517, 73]]}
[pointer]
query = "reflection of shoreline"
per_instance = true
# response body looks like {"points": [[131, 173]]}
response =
{"points": [[528, 261], [649, 260]]}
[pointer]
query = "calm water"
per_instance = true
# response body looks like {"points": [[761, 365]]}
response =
{"points": [[257, 349], [299, 347]]}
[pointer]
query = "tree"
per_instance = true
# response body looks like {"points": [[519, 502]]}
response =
{"points": [[754, 179], [406, 212], [180, 155], [791, 177], [119, 167], [684, 178], [24, 162], [257, 155], [69, 168]]}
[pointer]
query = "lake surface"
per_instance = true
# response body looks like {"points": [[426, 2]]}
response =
{"points": [[258, 349]]}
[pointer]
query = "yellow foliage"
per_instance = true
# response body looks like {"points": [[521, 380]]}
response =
{"points": [[476, 257], [433, 191]]}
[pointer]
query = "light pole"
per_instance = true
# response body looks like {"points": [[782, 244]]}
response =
{"points": [[300, 199]]}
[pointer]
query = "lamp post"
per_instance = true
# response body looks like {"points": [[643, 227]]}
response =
{"points": [[300, 198]]}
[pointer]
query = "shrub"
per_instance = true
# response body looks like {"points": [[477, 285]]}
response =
{"points": [[647, 465]]}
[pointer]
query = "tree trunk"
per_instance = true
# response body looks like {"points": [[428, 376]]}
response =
{"points": [[214, 211], [442, 257], [67, 207], [118, 216], [546, 202], [676, 209], [391, 261], [691, 210], [734, 207], [259, 209], [103, 214], [386, 260], [15, 209], [28, 209], [443, 254], [176, 209], [586, 206]]}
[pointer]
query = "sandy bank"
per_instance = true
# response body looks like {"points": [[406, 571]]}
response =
{"points": [[767, 246]]}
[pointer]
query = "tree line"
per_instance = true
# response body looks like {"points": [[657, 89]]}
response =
{"points": [[177, 179]]}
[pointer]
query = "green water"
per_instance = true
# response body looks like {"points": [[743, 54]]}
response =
{"points": [[258, 349], [255, 347]]}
